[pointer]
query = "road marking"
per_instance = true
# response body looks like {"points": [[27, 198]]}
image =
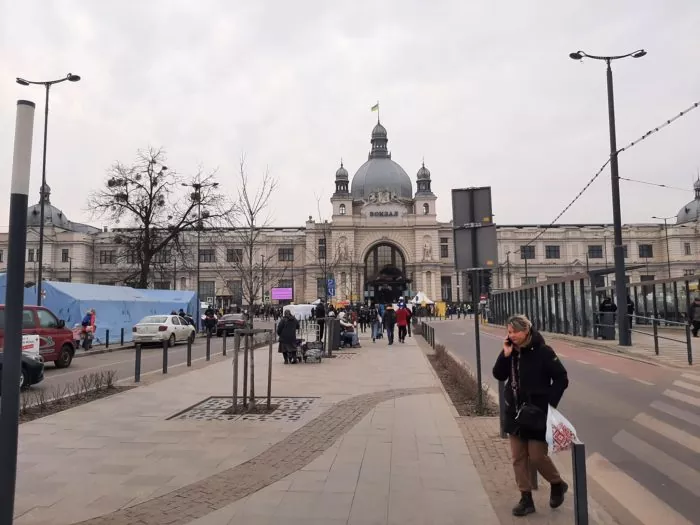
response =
{"points": [[640, 502], [562, 355], [678, 396], [642, 381], [670, 467], [669, 431], [459, 333], [692, 377], [687, 386], [583, 362], [686, 416], [608, 371]]}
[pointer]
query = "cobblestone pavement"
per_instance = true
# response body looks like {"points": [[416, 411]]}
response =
{"points": [[289, 455], [491, 456]]}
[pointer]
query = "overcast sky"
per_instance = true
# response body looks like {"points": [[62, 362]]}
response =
{"points": [[483, 90]]}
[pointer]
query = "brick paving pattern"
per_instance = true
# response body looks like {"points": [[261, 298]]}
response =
{"points": [[491, 456], [286, 457]]}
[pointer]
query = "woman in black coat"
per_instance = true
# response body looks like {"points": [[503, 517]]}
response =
{"points": [[287, 335], [535, 378]]}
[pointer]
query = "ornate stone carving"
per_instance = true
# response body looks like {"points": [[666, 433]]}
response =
{"points": [[427, 249]]}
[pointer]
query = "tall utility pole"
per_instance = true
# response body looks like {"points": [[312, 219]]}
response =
{"points": [[668, 251], [43, 193], [624, 335]]}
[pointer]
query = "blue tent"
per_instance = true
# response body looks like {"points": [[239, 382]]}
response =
{"points": [[116, 307]]}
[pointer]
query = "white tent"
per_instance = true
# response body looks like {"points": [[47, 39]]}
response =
{"points": [[421, 298]]}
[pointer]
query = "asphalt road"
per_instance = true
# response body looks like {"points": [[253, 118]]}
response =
{"points": [[122, 361], [640, 422]]}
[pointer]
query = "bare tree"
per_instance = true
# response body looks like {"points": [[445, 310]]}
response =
{"points": [[154, 212], [248, 259]]}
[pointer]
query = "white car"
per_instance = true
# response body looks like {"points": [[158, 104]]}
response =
{"points": [[159, 328]]}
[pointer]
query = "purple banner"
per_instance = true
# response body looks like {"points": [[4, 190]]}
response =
{"points": [[281, 294]]}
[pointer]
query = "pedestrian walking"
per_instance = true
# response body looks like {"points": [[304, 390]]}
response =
{"points": [[694, 315], [402, 322], [287, 335], [535, 378], [320, 314], [389, 322], [373, 318]]}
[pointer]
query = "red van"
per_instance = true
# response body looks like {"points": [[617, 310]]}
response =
{"points": [[55, 340]]}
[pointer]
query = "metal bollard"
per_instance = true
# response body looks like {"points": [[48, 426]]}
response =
{"points": [[107, 338], [689, 344], [208, 345], [236, 348], [269, 374], [578, 460], [502, 407], [656, 336], [189, 351], [137, 364], [165, 356], [121, 337], [223, 343]]}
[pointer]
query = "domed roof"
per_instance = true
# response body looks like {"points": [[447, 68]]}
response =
{"points": [[53, 216], [342, 173], [691, 211], [380, 173], [423, 172], [379, 130]]}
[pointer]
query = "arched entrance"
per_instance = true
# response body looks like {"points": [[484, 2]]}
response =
{"points": [[385, 274]]}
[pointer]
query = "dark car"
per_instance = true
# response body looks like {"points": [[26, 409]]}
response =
{"points": [[32, 369], [229, 323]]}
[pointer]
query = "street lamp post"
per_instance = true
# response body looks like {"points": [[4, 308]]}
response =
{"points": [[70, 269], [668, 251], [42, 197], [197, 196], [625, 337]]}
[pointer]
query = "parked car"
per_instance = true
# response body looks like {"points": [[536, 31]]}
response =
{"points": [[55, 340], [159, 328], [229, 323], [32, 369]]}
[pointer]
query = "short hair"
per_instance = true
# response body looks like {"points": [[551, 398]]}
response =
{"points": [[520, 323]]}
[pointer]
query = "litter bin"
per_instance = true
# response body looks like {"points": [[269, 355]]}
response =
{"points": [[607, 328]]}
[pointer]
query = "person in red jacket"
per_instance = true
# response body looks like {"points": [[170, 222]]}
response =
{"points": [[402, 316]]}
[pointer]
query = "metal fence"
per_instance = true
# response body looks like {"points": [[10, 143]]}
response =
{"points": [[571, 305]]}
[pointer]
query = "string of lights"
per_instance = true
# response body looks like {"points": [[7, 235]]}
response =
{"points": [[659, 128], [588, 185]]}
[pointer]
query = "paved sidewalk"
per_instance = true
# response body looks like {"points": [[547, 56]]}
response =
{"points": [[368, 437]]}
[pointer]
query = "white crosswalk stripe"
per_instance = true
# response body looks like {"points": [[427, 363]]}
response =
{"points": [[669, 431], [640, 502], [687, 386], [679, 396], [665, 439], [692, 377]]}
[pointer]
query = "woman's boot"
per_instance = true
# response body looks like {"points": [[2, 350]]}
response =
{"points": [[525, 506]]}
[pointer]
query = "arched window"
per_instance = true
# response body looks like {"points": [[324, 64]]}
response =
{"points": [[426, 209], [342, 209], [183, 283]]}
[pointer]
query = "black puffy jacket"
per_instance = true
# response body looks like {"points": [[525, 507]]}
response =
{"points": [[543, 380]]}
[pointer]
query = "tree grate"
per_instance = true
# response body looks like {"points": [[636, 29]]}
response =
{"points": [[283, 409]]}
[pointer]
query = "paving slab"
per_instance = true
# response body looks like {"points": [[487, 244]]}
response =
{"points": [[378, 443]]}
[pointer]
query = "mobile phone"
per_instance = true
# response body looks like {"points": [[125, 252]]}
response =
{"points": [[509, 342]]}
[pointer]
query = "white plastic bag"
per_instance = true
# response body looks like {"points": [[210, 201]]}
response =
{"points": [[561, 434]]}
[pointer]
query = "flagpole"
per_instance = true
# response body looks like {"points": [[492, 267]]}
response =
{"points": [[378, 120]]}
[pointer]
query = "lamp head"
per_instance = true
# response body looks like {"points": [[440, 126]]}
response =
{"points": [[639, 54], [72, 77], [22, 82], [578, 55]]}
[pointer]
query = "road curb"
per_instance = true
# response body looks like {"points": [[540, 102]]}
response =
{"points": [[101, 351]]}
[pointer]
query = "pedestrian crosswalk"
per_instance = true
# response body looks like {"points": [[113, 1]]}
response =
{"points": [[656, 471]]}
